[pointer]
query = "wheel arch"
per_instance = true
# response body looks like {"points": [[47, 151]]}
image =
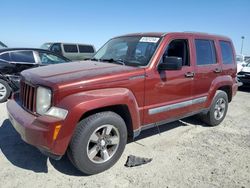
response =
{"points": [[122, 110], [228, 90]]}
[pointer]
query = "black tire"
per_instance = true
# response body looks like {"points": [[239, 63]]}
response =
{"points": [[4, 86], [210, 118], [80, 142]]}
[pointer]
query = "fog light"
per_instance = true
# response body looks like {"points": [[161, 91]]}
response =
{"points": [[57, 112]]}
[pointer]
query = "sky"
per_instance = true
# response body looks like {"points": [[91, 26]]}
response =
{"points": [[30, 23]]}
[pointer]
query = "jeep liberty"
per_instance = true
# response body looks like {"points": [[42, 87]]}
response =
{"points": [[134, 82]]}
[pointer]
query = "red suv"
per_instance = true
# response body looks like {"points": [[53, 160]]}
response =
{"points": [[133, 83]]}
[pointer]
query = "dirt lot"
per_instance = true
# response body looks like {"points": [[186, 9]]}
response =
{"points": [[185, 154]]}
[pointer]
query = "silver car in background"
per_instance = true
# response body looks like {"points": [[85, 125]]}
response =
{"points": [[71, 51]]}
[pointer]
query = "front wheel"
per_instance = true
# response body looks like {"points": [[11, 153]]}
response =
{"points": [[98, 142], [5, 91], [218, 109]]}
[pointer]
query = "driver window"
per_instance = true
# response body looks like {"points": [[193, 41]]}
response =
{"points": [[178, 48], [56, 48]]}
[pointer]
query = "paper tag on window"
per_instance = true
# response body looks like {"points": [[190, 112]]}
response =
{"points": [[149, 39]]}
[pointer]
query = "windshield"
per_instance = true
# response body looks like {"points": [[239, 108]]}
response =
{"points": [[132, 51], [46, 46]]}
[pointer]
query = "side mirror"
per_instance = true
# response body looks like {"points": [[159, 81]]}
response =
{"points": [[171, 63]]}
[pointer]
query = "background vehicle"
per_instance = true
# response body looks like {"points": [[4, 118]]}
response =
{"points": [[2, 45], [242, 59], [244, 75], [15, 60], [71, 50], [134, 82]]}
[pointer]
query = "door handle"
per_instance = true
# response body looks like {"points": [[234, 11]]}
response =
{"points": [[189, 74], [217, 70]]}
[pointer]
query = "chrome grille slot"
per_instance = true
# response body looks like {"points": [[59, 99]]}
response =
{"points": [[28, 96]]}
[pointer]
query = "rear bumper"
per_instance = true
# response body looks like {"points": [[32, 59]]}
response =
{"points": [[35, 130]]}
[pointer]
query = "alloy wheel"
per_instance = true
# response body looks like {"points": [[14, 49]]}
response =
{"points": [[103, 143], [219, 108]]}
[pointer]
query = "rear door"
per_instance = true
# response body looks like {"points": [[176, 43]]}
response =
{"points": [[207, 68]]}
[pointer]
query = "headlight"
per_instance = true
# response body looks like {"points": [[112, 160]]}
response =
{"points": [[43, 100]]}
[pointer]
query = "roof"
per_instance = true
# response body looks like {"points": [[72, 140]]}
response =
{"points": [[75, 43], [14, 49], [148, 34], [33, 49], [162, 34]]}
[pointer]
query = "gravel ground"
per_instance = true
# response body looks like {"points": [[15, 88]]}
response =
{"points": [[185, 154]]}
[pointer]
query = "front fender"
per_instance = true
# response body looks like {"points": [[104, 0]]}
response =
{"points": [[81, 103]]}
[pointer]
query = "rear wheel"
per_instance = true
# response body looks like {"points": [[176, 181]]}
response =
{"points": [[98, 142], [4, 91], [218, 109]]}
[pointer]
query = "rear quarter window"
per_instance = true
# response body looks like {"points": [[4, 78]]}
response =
{"points": [[86, 49], [70, 48], [22, 56], [226, 52], [205, 52]]}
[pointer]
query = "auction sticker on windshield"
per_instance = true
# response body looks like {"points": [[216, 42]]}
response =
{"points": [[149, 39]]}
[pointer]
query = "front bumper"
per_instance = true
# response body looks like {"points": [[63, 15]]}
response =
{"points": [[34, 130]]}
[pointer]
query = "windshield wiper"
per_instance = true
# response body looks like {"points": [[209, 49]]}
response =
{"points": [[94, 59], [117, 61]]}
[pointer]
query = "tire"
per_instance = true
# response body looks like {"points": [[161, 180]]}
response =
{"points": [[218, 109], [98, 142], [5, 91]]}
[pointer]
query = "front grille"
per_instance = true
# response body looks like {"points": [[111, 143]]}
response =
{"points": [[28, 97]]}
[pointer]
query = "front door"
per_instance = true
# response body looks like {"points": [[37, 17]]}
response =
{"points": [[168, 94]]}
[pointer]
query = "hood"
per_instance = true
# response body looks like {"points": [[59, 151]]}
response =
{"points": [[84, 72]]}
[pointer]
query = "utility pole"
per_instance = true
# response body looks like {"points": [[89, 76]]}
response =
{"points": [[242, 42]]}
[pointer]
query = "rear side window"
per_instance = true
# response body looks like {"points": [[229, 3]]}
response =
{"points": [[22, 56], [70, 48], [226, 52], [205, 52], [86, 49], [5, 57]]}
